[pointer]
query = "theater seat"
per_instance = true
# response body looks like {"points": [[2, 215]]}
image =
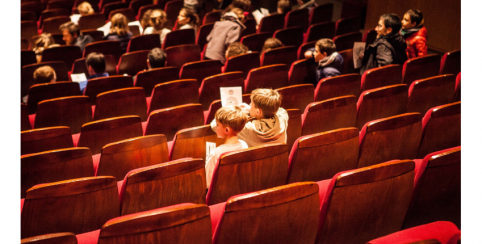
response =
{"points": [[191, 142], [443, 232], [44, 139], [58, 238]]}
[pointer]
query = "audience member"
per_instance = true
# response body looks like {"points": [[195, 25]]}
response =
{"points": [[145, 20], [43, 74], [156, 58], [71, 35], [268, 122], [415, 33], [95, 63], [388, 48], [235, 49], [271, 43], [309, 4], [119, 31], [230, 121], [187, 19], [158, 21], [284, 6], [84, 9], [45, 40], [224, 32], [244, 5], [329, 61]]}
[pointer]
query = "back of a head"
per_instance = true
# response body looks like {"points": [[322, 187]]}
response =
{"points": [[392, 21], [157, 58], [96, 61], [326, 45], [271, 43], [71, 27], [284, 6], [238, 12], [42, 42], [119, 25], [415, 16], [145, 20], [236, 48], [44, 74], [85, 8], [268, 100], [232, 116], [242, 4], [158, 19]]}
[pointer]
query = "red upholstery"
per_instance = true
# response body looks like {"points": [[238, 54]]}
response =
{"points": [[292, 36], [95, 160], [321, 13], [443, 231], [88, 237], [271, 23], [217, 211]]}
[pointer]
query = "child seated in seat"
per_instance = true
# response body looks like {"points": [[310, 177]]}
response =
{"points": [[230, 121], [329, 61], [268, 122], [271, 43], [415, 33], [235, 49]]}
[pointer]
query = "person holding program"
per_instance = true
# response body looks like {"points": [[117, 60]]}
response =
{"points": [[415, 33], [230, 121]]}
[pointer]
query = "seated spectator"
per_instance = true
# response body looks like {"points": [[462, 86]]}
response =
{"points": [[235, 49], [187, 19], [329, 61], [388, 48], [95, 63], [268, 121], [271, 43], [244, 5], [284, 6], [119, 31], [309, 4], [230, 121], [43, 74], [158, 22], [224, 32], [45, 40], [145, 21], [71, 35], [415, 33], [84, 9], [156, 58]]}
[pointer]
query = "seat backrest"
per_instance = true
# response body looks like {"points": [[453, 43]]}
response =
{"points": [[120, 157], [420, 68], [437, 190], [129, 13], [346, 41], [294, 128], [299, 18], [179, 55], [320, 156], [27, 16], [383, 76], [113, 6], [451, 63], [248, 170], [144, 42], [202, 33], [441, 129], [296, 96], [36, 6], [248, 218], [172, 9], [99, 85], [271, 76], [390, 138], [53, 13], [95, 135], [133, 62], [40, 92], [347, 25], [174, 93], [330, 114], [97, 35], [174, 182], [27, 57], [379, 211], [137, 6], [179, 37], [302, 72], [381, 103], [255, 42], [54, 165], [244, 62], [73, 111], [181, 223], [39, 140], [369, 36], [210, 87], [28, 29], [121, 102], [65, 4], [342, 85], [67, 54], [52, 24], [280, 55], [104, 47], [321, 30], [169, 121], [347, 66], [200, 69], [458, 91], [322, 13], [292, 36], [24, 119], [431, 92], [213, 108], [304, 47], [148, 79], [271, 23], [212, 17], [78, 206], [57, 238], [191, 142]]}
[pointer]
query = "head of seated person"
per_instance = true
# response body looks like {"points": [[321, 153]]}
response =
{"points": [[187, 18], [271, 43], [70, 32], [158, 19], [235, 49], [45, 40], [95, 63], [85, 8], [388, 24], [230, 121], [44, 74], [411, 19], [264, 103], [156, 58], [145, 20], [119, 25], [284, 6], [244, 5], [323, 48]]}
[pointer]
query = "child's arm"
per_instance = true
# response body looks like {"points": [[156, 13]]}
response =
{"points": [[210, 163], [309, 53]]}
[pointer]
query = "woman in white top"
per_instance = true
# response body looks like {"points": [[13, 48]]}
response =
{"points": [[187, 19], [158, 21], [84, 9]]}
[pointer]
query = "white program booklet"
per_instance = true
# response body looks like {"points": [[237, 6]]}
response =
{"points": [[210, 146], [231, 96], [78, 77], [258, 15], [358, 51]]}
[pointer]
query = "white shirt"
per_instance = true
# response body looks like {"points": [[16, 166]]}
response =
{"points": [[213, 157]]}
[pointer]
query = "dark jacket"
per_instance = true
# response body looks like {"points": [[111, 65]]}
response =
{"points": [[330, 70], [124, 40], [81, 41], [385, 50]]}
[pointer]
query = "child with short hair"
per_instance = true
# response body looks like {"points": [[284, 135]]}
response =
{"points": [[271, 43], [235, 49], [415, 33], [329, 61], [268, 122], [230, 121]]}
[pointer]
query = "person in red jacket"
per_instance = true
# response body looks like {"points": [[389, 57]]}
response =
{"points": [[415, 33]]}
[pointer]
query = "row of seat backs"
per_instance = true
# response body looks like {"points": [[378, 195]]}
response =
{"points": [[387, 184]]}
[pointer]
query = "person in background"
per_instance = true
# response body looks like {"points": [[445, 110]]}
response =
{"points": [[156, 58], [245, 5], [95, 63], [187, 19], [71, 35], [271, 43], [329, 61], [84, 9], [284, 6], [235, 49], [43, 74], [44, 41], [119, 31], [145, 20], [158, 21], [415, 33], [309, 4]]}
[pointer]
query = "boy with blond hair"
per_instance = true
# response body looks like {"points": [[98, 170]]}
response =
{"points": [[230, 121], [268, 122]]}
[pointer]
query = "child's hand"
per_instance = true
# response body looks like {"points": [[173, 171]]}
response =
{"points": [[308, 54]]}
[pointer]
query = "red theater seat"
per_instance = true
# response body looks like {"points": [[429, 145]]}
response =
{"points": [[428, 93], [148, 79], [271, 76], [294, 128], [382, 76], [173, 93], [210, 87], [41, 92], [99, 85], [321, 13], [144, 42], [44, 139], [420, 68], [179, 55], [179, 37], [443, 232], [121, 102], [244, 62], [58, 238], [200, 69], [296, 96], [133, 62], [271, 23], [451, 63], [191, 142], [342, 85]]}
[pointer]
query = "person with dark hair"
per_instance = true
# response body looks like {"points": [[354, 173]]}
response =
{"points": [[235, 49], [119, 31], [95, 63], [271, 43], [415, 33], [329, 61], [156, 58], [388, 48], [71, 35]]}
